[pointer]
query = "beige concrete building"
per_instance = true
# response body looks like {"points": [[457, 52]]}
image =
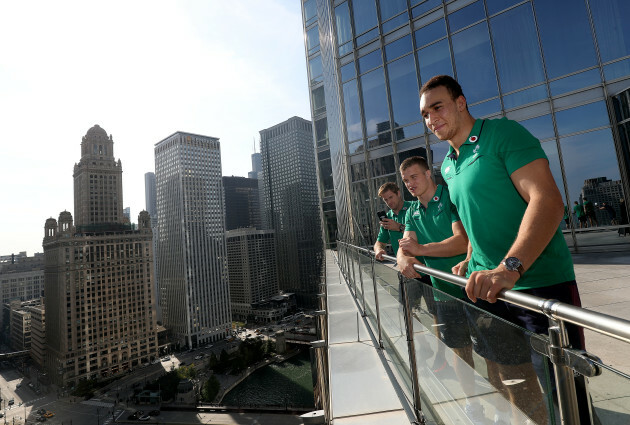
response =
{"points": [[20, 330], [38, 332], [100, 298], [22, 279]]}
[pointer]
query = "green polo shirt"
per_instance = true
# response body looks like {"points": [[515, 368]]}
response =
{"points": [[588, 207], [579, 210], [434, 224], [489, 206], [392, 236]]}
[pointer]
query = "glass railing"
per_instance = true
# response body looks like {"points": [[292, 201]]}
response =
{"points": [[458, 364]]}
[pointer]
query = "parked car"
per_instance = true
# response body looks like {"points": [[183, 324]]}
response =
{"points": [[154, 413], [41, 419], [11, 402], [41, 411], [49, 414]]}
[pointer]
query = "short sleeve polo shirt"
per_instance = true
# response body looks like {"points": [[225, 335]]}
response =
{"points": [[434, 224], [392, 236], [489, 205], [579, 210]]}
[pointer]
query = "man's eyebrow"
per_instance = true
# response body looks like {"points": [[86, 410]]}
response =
{"points": [[430, 106]]}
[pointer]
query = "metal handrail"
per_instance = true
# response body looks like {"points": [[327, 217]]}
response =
{"points": [[598, 322]]}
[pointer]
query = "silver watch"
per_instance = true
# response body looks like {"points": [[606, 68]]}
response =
{"points": [[513, 264]]}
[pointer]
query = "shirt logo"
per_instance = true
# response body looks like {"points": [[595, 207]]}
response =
{"points": [[476, 149], [436, 198], [447, 169], [439, 206], [416, 213], [473, 139]]}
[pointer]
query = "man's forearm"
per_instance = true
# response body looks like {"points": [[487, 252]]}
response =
{"points": [[455, 245]]}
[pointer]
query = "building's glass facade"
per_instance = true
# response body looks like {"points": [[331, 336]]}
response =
{"points": [[560, 68]]}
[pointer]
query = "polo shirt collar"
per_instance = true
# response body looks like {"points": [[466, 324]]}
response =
{"points": [[473, 137], [436, 197]]}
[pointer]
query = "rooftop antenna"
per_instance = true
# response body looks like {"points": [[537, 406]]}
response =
{"points": [[254, 138]]}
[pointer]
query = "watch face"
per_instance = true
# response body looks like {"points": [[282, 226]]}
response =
{"points": [[512, 263]]}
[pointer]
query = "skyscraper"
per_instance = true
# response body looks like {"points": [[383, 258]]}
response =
{"points": [[194, 288], [560, 68], [291, 205], [242, 203], [252, 269], [256, 166], [150, 201], [100, 300]]}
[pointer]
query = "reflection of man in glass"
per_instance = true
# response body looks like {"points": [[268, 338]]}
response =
{"points": [[612, 214], [500, 181], [589, 210], [578, 209], [393, 223]]}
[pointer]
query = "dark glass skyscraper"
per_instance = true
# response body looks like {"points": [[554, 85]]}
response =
{"points": [[560, 68], [242, 202], [291, 205]]}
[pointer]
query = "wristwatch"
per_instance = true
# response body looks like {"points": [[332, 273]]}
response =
{"points": [[401, 228], [513, 264]]}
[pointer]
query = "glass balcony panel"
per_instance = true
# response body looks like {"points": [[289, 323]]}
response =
{"points": [[610, 396]]}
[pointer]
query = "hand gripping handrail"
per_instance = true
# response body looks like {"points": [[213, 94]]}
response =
{"points": [[598, 322]]}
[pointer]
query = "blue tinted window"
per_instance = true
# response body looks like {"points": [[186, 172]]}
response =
{"points": [[516, 49], [368, 36], [495, 6], [466, 16], [369, 61], [435, 60], [398, 48], [391, 8], [586, 156], [382, 138], [356, 147], [364, 12], [473, 61], [348, 71], [566, 36], [381, 166], [403, 88], [395, 23], [342, 19], [551, 150], [611, 27], [424, 7], [312, 40], [524, 97], [375, 108], [617, 69], [581, 118], [485, 109], [575, 82], [315, 67], [540, 127], [345, 49], [430, 33], [353, 113], [412, 130], [319, 100], [310, 10]]}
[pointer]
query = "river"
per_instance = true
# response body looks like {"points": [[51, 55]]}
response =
{"points": [[285, 384]]}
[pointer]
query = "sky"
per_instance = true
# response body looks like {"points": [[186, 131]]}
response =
{"points": [[142, 70]]}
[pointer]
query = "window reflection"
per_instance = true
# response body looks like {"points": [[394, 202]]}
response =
{"points": [[384, 165], [403, 88], [575, 82], [524, 97], [466, 16], [438, 152], [430, 33], [611, 27], [312, 40], [310, 11], [375, 108], [551, 150], [315, 68], [587, 156], [435, 60], [359, 171], [342, 19], [321, 131], [391, 8], [582, 118], [474, 64], [398, 48], [424, 7], [409, 131], [348, 71], [516, 49], [617, 70], [370, 61], [566, 36], [325, 171], [484, 109], [495, 6], [353, 113], [541, 127], [364, 12], [319, 100]]}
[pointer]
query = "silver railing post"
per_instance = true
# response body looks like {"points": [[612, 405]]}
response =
{"points": [[361, 280], [565, 383], [413, 366], [378, 310], [354, 277]]}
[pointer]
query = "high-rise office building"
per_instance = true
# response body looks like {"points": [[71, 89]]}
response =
{"points": [[560, 68], [194, 292], [150, 201], [38, 333], [21, 278], [291, 205], [256, 166], [100, 300], [252, 267], [242, 202]]}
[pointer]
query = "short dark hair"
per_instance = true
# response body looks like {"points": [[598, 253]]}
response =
{"points": [[447, 81], [388, 186], [414, 160]]}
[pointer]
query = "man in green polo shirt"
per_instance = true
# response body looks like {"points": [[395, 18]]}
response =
{"points": [[578, 209], [434, 235], [500, 181], [393, 226]]}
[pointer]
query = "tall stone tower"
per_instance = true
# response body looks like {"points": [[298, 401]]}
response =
{"points": [[100, 298]]}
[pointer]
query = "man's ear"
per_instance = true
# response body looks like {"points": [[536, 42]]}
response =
{"points": [[461, 103]]}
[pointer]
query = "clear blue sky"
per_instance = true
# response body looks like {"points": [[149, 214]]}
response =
{"points": [[141, 70]]}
